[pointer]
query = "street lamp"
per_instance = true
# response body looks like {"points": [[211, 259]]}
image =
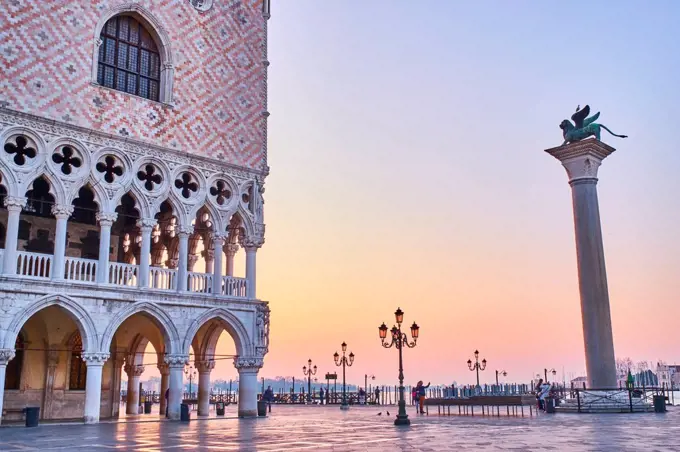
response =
{"points": [[477, 366], [190, 373], [399, 340], [344, 361], [308, 373], [502, 372], [366, 376], [545, 373]]}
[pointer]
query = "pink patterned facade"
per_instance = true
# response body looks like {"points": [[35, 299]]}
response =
{"points": [[215, 109]]}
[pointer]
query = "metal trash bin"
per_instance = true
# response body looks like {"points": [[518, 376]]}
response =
{"points": [[659, 404], [184, 415], [219, 408], [147, 406], [549, 404], [261, 408], [32, 416]]}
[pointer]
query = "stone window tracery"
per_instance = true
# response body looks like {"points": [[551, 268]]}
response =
{"points": [[221, 192], [15, 366], [186, 184], [110, 168], [78, 374], [150, 176], [21, 150], [129, 60], [67, 158]]}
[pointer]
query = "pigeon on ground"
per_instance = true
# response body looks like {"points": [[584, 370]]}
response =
{"points": [[388, 413], [380, 414]]}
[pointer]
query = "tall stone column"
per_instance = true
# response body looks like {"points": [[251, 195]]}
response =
{"points": [[6, 355], [182, 266], [164, 369], [117, 368], [145, 225], [247, 385], [106, 219], [209, 256], [48, 395], [218, 244], [230, 250], [176, 364], [134, 371], [582, 160], [62, 214], [204, 368], [93, 388], [14, 206]]}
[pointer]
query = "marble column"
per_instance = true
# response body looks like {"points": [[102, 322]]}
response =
{"points": [[62, 214], [6, 355], [251, 271], [93, 388], [134, 371], [106, 219], [183, 234], [209, 256], [582, 160], [204, 368], [117, 368], [230, 250], [164, 370], [247, 385], [145, 226], [176, 364], [14, 206], [218, 244], [48, 394]]}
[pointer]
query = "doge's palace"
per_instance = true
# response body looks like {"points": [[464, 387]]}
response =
{"points": [[132, 169]]}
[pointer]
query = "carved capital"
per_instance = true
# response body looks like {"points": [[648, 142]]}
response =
{"points": [[106, 218], [175, 361], [97, 359], [205, 366], [185, 231], [172, 263], [248, 364], [230, 249], [6, 355], [15, 203], [191, 260], [164, 369], [582, 159], [145, 225], [133, 370], [209, 254], [251, 242], [62, 212]]}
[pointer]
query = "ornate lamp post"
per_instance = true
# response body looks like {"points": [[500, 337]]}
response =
{"points": [[502, 372], [308, 373], [477, 366], [399, 340], [190, 373], [545, 374], [344, 361]]}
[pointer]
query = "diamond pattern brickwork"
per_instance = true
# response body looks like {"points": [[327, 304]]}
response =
{"points": [[46, 50]]}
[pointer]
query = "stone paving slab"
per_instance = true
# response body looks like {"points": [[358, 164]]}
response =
{"points": [[361, 429]]}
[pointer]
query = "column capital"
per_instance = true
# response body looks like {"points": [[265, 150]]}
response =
{"points": [[217, 236], [248, 364], [146, 224], [192, 259], [251, 242], [164, 368], [175, 361], [230, 249], [62, 211], [172, 263], [209, 254], [6, 355], [185, 231], [582, 159], [205, 366], [133, 370], [97, 359], [106, 218], [15, 203]]}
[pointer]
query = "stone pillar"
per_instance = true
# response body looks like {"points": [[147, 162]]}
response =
{"points": [[14, 206], [164, 369], [6, 354], [251, 270], [176, 364], [62, 214], [209, 256], [133, 371], [230, 250], [93, 388], [183, 234], [247, 385], [582, 160], [145, 226], [48, 395], [105, 219], [118, 362], [218, 244], [204, 368], [191, 261]]}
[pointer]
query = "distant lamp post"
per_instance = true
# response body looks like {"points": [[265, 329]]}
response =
{"points": [[501, 372], [366, 377], [344, 361], [545, 374], [399, 340], [476, 366], [190, 373], [308, 373]]}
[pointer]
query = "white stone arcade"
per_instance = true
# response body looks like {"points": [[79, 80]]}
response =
{"points": [[111, 245]]}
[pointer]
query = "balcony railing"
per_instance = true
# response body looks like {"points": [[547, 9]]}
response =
{"points": [[39, 266]]}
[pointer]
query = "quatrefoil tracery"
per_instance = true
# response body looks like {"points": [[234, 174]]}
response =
{"points": [[150, 177], [21, 150], [110, 168], [186, 184], [67, 159], [221, 192]]}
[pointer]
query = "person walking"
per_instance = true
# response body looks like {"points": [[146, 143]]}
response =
{"points": [[321, 391], [377, 396], [420, 388]]}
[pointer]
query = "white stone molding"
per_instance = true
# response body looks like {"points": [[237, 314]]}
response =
{"points": [[15, 204], [146, 224], [582, 159], [61, 211], [174, 361], [6, 355], [251, 241], [233, 325], [95, 359], [107, 218], [250, 363]]}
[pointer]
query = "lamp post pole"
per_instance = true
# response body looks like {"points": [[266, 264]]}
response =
{"points": [[366, 386], [308, 373], [399, 340], [344, 361], [190, 372], [545, 373], [477, 366], [502, 372]]}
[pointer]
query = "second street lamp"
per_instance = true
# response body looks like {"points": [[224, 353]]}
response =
{"points": [[476, 366], [190, 373], [344, 361], [399, 340], [545, 374], [366, 376], [502, 372], [308, 373]]}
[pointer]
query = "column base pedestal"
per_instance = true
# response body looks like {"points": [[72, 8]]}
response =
{"points": [[402, 420]]}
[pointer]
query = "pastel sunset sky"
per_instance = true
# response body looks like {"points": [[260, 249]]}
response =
{"points": [[407, 169]]}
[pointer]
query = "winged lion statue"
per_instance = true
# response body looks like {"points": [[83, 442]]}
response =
{"points": [[583, 126]]}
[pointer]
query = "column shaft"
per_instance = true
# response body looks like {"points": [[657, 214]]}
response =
{"points": [[145, 228], [5, 356], [93, 392], [132, 405], [105, 222], [62, 213], [183, 260], [218, 243], [251, 266], [204, 393], [247, 392], [175, 396], [165, 373], [14, 206]]}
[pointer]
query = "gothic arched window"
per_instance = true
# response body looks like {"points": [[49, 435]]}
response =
{"points": [[13, 370], [128, 58], [78, 372]]}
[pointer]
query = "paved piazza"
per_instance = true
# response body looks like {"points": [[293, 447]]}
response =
{"points": [[360, 429]]}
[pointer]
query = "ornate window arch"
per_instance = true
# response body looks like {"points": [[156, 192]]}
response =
{"points": [[77, 368], [15, 366], [132, 54]]}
